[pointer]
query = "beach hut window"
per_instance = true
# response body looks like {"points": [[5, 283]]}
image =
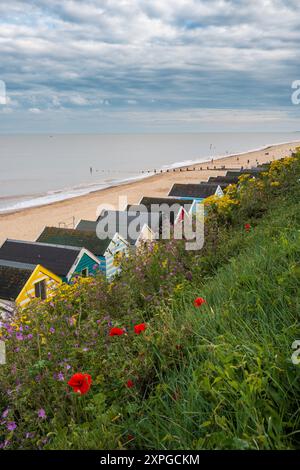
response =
{"points": [[85, 272], [40, 290]]}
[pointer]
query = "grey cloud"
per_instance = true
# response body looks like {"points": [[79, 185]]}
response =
{"points": [[170, 54]]}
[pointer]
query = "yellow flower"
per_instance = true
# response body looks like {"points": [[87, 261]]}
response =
{"points": [[178, 288]]}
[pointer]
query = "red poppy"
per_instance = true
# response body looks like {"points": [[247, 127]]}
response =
{"points": [[247, 227], [139, 328], [81, 383], [116, 331], [199, 301], [129, 384]]}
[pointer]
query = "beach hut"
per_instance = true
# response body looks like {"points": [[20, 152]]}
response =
{"points": [[64, 261], [135, 228], [173, 208], [106, 250], [22, 282], [251, 171], [198, 192], [223, 180]]}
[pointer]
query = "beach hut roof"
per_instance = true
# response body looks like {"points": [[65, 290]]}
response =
{"points": [[199, 191], [224, 179], [250, 171], [58, 259], [76, 238], [123, 219], [149, 201], [13, 277], [88, 225]]}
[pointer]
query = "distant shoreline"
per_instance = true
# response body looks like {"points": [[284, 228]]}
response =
{"points": [[58, 196], [28, 223]]}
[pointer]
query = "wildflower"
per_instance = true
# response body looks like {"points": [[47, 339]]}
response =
{"points": [[247, 227], [19, 336], [116, 331], [52, 330], [129, 384], [60, 377], [199, 301], [139, 328], [5, 413], [42, 414], [5, 444], [80, 383], [11, 426], [72, 321]]}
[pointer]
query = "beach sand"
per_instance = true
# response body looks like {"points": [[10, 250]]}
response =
{"points": [[27, 224]]}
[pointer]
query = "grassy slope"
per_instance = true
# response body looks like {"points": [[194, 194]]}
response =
{"points": [[235, 385], [218, 377]]}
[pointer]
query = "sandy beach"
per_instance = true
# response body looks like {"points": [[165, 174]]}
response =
{"points": [[27, 224]]}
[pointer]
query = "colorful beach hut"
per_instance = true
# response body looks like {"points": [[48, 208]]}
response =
{"points": [[198, 192], [22, 282], [107, 250], [64, 261], [173, 208], [132, 227]]}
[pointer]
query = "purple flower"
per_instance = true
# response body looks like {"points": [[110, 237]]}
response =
{"points": [[29, 435], [60, 377], [4, 444], [5, 413], [42, 414], [30, 336], [19, 336], [52, 330], [11, 426]]}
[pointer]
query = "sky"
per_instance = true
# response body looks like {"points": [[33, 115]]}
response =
{"points": [[110, 66]]}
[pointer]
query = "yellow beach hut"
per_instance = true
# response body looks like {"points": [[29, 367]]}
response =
{"points": [[21, 282]]}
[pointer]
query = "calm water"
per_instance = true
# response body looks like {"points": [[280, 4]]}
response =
{"points": [[37, 169]]}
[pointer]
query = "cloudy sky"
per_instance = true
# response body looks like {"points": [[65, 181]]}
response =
{"points": [[149, 65]]}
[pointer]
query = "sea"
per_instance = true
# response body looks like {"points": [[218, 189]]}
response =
{"points": [[40, 169]]}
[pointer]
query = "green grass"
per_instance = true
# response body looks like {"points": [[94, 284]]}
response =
{"points": [[234, 386]]}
